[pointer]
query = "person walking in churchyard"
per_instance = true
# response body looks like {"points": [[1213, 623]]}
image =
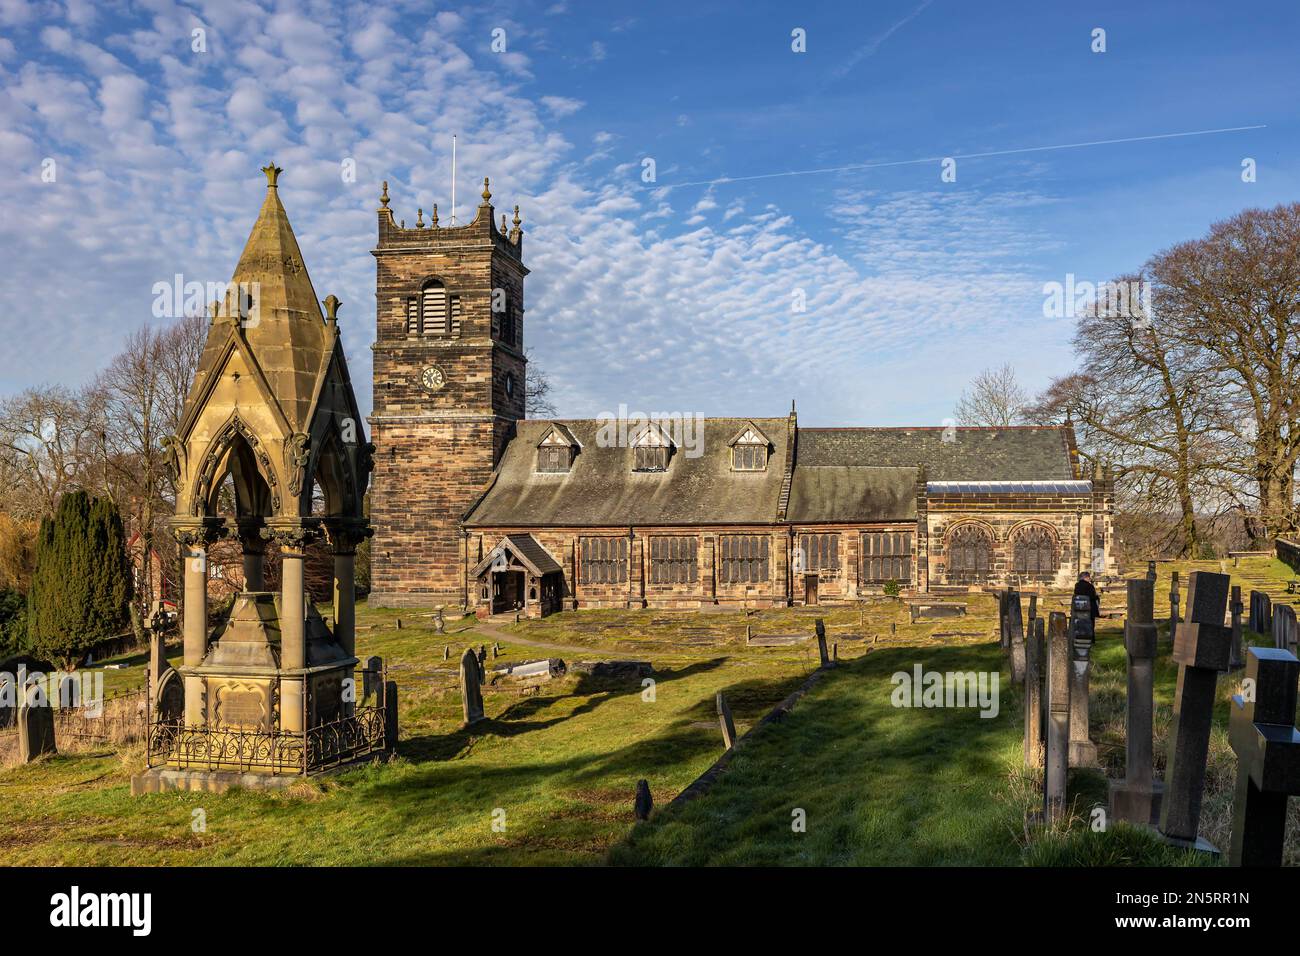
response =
{"points": [[1085, 586]]}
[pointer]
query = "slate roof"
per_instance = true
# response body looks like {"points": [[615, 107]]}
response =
{"points": [[973, 454], [840, 475], [528, 550]]}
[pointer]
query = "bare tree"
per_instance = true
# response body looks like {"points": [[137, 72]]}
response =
{"points": [[537, 391], [994, 398], [51, 440]]}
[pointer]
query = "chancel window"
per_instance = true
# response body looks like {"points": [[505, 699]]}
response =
{"points": [[743, 559], [673, 560], [1035, 551], [818, 552], [886, 556], [604, 560], [970, 553]]}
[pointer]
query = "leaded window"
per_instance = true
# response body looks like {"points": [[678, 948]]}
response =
{"points": [[554, 459], [970, 553], [673, 560], [886, 556], [604, 560], [743, 559], [819, 552], [1035, 551]]}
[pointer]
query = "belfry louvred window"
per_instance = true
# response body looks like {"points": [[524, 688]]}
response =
{"points": [[433, 309]]}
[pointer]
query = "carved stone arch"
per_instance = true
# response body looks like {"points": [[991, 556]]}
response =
{"points": [[970, 547], [236, 451], [330, 466], [1035, 550]]}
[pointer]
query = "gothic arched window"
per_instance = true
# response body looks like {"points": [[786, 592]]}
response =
{"points": [[1035, 551], [970, 553]]}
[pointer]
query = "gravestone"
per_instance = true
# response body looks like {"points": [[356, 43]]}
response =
{"points": [[1263, 736], [8, 703], [1058, 717], [1004, 627], [1261, 612], [1285, 630], [35, 726], [446, 652], [390, 714], [1236, 660], [1173, 600], [724, 719], [1034, 694], [169, 705], [439, 625], [470, 684], [158, 665], [1083, 752], [482, 663], [821, 643], [1033, 610], [644, 801], [1137, 797], [1202, 645], [1016, 637], [371, 675]]}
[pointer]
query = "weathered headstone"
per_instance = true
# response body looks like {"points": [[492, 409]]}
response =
{"points": [[1004, 627], [35, 726], [390, 714], [1262, 732], [727, 724], [1083, 752], [482, 663], [1058, 716], [1201, 649], [1285, 630], [1261, 612], [1015, 637], [371, 675], [470, 688], [821, 643], [644, 801], [1034, 694], [169, 705], [1173, 600], [439, 625], [1033, 610], [1137, 797], [1236, 660]]}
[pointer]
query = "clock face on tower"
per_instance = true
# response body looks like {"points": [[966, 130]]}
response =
{"points": [[432, 378]]}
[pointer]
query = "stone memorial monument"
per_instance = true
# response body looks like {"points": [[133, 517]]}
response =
{"points": [[1083, 752], [1016, 637], [1058, 717], [471, 687], [1034, 694], [1202, 645], [1137, 797]]}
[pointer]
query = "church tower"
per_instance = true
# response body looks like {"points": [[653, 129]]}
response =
{"points": [[448, 389]]}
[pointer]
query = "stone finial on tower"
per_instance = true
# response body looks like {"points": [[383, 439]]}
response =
{"points": [[331, 303], [487, 193], [515, 231], [272, 174], [433, 217], [503, 224], [419, 218], [383, 196]]}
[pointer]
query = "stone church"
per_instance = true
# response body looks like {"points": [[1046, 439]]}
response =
{"points": [[474, 505]]}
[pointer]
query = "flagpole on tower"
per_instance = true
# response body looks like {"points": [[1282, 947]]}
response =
{"points": [[453, 179]]}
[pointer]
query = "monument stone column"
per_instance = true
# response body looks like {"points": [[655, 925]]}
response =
{"points": [[293, 625]]}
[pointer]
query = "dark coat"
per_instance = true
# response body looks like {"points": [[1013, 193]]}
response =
{"points": [[1085, 587]]}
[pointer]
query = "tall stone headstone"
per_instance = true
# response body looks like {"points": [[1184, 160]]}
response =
{"points": [[644, 802], [1137, 797], [1034, 694], [725, 721], [439, 625], [371, 675], [35, 726], [1016, 637], [1236, 658], [1285, 630], [1261, 612], [821, 643], [1202, 645], [1174, 597], [1263, 735], [1083, 752], [471, 687], [1058, 716]]}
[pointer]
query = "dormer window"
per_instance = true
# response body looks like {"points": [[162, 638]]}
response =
{"points": [[749, 450], [651, 450], [555, 451]]}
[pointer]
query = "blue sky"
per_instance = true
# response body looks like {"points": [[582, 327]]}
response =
{"points": [[670, 296]]}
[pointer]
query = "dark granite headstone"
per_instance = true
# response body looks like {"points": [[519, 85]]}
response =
{"points": [[1058, 716], [35, 726], [390, 715], [727, 724], [1202, 645], [644, 801], [470, 688], [1263, 735], [1173, 599], [1236, 658], [821, 643], [1034, 694], [1137, 797]]}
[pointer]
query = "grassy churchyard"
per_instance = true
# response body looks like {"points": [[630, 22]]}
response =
{"points": [[555, 766]]}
